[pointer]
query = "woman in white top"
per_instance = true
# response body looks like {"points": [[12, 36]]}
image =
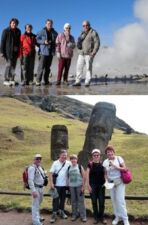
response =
{"points": [[113, 165]]}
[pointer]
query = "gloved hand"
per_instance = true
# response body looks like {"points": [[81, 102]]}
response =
{"points": [[58, 55]]}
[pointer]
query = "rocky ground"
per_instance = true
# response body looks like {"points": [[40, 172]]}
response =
{"points": [[14, 218]]}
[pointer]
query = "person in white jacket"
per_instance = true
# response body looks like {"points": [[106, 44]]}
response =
{"points": [[36, 182]]}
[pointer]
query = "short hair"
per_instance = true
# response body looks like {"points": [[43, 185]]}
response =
{"points": [[29, 25], [73, 157], [49, 20], [109, 148], [14, 20], [62, 151], [86, 21]]}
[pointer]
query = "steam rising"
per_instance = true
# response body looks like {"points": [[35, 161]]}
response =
{"points": [[129, 54]]}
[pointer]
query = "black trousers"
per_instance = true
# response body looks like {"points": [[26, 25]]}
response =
{"points": [[27, 68], [98, 201], [45, 62], [58, 203]]}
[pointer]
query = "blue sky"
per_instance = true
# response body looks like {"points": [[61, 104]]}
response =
{"points": [[106, 16]]}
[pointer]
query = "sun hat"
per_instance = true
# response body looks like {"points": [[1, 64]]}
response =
{"points": [[67, 25], [37, 156], [53, 193], [96, 151]]}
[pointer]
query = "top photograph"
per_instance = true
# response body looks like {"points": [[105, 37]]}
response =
{"points": [[74, 48]]}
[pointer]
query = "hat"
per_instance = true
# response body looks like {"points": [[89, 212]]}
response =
{"points": [[67, 25], [37, 156], [53, 193], [96, 151]]}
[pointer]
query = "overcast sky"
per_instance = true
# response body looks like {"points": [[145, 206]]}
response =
{"points": [[132, 109]]}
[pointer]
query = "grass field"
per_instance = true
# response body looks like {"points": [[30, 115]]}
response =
{"points": [[16, 154]]}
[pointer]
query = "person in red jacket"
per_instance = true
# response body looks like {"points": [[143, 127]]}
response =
{"points": [[27, 55]]}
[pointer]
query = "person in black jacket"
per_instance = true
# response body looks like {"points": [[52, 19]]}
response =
{"points": [[10, 45]]}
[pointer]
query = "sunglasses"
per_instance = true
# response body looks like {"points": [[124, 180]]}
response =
{"points": [[96, 155], [38, 158], [85, 25]]}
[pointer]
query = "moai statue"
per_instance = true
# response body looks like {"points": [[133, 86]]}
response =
{"points": [[59, 140], [99, 131]]}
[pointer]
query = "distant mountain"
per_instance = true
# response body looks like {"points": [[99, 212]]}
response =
{"points": [[70, 108]]}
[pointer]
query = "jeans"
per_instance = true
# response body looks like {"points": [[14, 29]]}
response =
{"points": [[27, 68], [58, 203], [45, 62], [36, 207], [117, 194], [84, 60], [64, 64], [77, 201], [98, 196], [10, 69]]}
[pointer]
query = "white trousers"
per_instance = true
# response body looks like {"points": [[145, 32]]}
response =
{"points": [[117, 194], [84, 60], [36, 207]]}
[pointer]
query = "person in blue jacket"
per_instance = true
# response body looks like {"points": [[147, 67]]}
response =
{"points": [[46, 41]]}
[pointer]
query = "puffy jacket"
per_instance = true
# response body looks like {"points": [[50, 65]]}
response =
{"points": [[91, 43], [65, 45], [27, 44], [41, 37], [10, 42]]}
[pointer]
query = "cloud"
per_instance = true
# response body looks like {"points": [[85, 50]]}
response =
{"points": [[129, 54]]}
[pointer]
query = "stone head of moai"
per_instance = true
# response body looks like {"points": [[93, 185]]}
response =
{"points": [[59, 140], [99, 130]]}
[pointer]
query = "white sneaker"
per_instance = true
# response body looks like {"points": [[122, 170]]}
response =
{"points": [[115, 221], [126, 222], [6, 83]]}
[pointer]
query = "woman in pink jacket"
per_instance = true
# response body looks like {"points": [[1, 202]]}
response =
{"points": [[65, 44]]}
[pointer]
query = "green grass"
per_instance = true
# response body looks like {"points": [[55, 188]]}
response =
{"points": [[16, 154]]}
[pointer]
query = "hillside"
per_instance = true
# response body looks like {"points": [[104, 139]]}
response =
{"points": [[15, 154], [70, 108]]}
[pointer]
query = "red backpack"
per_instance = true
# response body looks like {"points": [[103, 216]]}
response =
{"points": [[25, 178]]}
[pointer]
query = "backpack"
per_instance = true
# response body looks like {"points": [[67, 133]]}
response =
{"points": [[25, 178]]}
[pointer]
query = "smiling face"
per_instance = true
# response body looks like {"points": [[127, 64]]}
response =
{"points": [[96, 157], [110, 154], [49, 24], [28, 29], [13, 25], [86, 26], [63, 157], [74, 161], [37, 161]]}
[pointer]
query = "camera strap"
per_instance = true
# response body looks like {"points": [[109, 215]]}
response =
{"points": [[61, 168]]}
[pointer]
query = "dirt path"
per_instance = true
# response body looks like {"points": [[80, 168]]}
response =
{"points": [[14, 218]]}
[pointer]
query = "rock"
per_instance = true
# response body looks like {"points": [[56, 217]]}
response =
{"points": [[59, 140], [99, 130], [18, 132]]}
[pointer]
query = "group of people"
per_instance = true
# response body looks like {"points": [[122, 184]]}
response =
{"points": [[49, 42], [68, 173]]}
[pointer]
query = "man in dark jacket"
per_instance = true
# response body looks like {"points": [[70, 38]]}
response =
{"points": [[10, 45], [46, 40]]}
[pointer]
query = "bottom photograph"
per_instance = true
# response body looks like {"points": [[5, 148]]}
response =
{"points": [[73, 159]]}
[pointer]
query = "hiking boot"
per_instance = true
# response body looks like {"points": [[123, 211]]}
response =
{"points": [[42, 219], [53, 217], [96, 221], [63, 215], [77, 84], [87, 84], [84, 220], [38, 83], [104, 221], [58, 82], [115, 221], [6, 83], [73, 218]]}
